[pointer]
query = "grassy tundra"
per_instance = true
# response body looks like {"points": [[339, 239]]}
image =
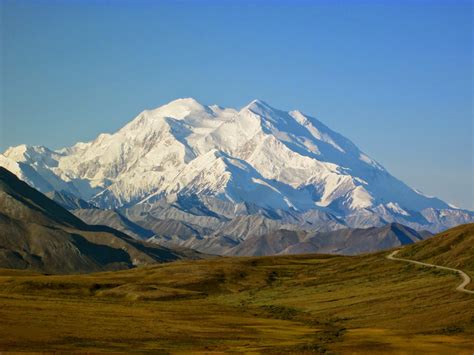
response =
{"points": [[287, 303]]}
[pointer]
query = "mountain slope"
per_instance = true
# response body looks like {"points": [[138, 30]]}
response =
{"points": [[68, 200], [342, 241], [37, 233], [225, 159], [113, 219], [452, 248]]}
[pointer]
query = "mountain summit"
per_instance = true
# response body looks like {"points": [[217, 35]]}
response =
{"points": [[222, 163]]}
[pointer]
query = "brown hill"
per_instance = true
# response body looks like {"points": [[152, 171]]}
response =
{"points": [[453, 248], [348, 241], [36, 233]]}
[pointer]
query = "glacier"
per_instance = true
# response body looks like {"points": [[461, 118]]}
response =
{"points": [[205, 166]]}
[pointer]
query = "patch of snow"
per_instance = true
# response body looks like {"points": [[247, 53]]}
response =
{"points": [[258, 154], [395, 207]]}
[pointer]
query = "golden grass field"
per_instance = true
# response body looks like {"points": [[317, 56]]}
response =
{"points": [[308, 303]]}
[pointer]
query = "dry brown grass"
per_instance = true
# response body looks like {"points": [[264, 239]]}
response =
{"points": [[308, 303]]}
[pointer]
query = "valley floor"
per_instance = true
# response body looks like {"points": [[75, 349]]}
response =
{"points": [[277, 304]]}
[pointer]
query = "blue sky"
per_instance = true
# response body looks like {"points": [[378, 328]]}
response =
{"points": [[396, 77]]}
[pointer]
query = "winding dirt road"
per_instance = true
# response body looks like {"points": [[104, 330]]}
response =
{"points": [[465, 277]]}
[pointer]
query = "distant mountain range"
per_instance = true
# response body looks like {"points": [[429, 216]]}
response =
{"points": [[39, 234], [343, 241], [186, 173]]}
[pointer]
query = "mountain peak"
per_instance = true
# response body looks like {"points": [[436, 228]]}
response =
{"points": [[185, 148], [19, 153], [259, 107], [185, 101], [257, 104], [181, 108]]}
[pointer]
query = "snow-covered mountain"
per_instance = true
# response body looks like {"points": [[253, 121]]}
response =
{"points": [[188, 161]]}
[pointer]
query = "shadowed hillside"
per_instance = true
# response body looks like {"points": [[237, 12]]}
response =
{"points": [[36, 233], [345, 241]]}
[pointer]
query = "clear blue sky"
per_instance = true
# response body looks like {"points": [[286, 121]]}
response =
{"points": [[396, 77]]}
